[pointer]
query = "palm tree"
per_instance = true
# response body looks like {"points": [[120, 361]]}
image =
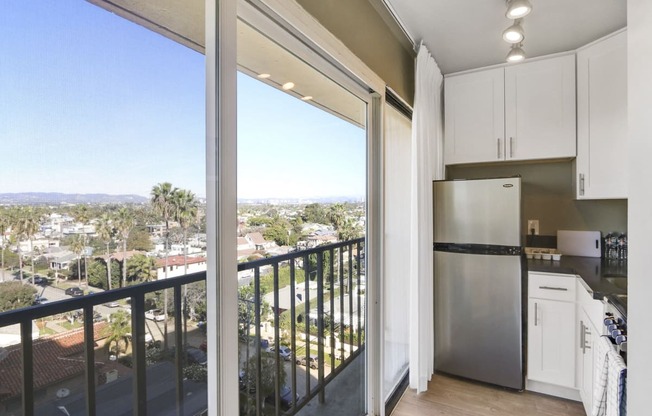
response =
{"points": [[83, 215], [118, 329], [337, 215], [142, 268], [162, 197], [28, 222], [185, 213], [105, 231], [4, 226], [77, 247], [124, 223]]}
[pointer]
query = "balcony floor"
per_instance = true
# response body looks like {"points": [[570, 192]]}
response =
{"points": [[454, 397]]}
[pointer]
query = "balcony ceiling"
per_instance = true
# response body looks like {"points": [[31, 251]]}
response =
{"points": [[183, 22], [466, 34]]}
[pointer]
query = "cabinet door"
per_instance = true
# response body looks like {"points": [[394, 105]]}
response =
{"points": [[540, 109], [551, 342], [474, 117], [602, 119], [587, 333]]}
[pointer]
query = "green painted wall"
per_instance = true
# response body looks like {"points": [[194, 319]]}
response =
{"points": [[358, 25], [548, 195]]}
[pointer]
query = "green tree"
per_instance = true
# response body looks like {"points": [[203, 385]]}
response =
{"points": [[247, 309], [14, 295], [27, 222], [118, 329], [139, 239], [82, 214], [349, 230], [124, 222], [77, 247], [315, 213], [105, 231], [141, 268], [5, 223], [185, 214], [337, 214], [270, 369]]}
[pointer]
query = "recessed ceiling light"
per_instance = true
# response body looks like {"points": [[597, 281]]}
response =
{"points": [[288, 85], [307, 98], [517, 9], [514, 33], [264, 76]]}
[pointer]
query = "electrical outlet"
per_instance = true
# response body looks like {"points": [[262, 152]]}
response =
{"points": [[533, 227]]}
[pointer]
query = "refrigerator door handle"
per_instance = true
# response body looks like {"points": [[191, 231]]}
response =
{"points": [[536, 314]]}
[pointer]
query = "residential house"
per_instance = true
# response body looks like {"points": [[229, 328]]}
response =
{"points": [[179, 266]]}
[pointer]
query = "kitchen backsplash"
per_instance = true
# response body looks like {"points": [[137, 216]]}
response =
{"points": [[548, 196]]}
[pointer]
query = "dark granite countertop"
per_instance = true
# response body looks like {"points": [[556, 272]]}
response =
{"points": [[604, 278]]}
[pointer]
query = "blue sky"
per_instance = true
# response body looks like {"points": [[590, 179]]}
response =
{"points": [[92, 103]]}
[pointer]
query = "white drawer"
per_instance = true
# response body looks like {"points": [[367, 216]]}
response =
{"points": [[552, 286]]}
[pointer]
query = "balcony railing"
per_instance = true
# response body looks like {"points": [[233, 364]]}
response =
{"points": [[328, 317]]}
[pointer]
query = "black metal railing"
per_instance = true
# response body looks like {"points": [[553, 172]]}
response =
{"points": [[331, 320], [333, 326], [25, 316]]}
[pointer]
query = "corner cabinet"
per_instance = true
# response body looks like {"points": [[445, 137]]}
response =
{"points": [[514, 113], [602, 119], [551, 329]]}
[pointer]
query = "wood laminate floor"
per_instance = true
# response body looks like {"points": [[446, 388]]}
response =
{"points": [[449, 396]]}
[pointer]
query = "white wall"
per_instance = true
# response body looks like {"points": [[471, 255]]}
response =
{"points": [[639, 316]]}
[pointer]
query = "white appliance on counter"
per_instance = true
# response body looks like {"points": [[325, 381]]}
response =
{"points": [[478, 264]]}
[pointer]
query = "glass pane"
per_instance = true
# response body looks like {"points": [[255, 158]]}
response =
{"points": [[301, 214], [103, 109]]}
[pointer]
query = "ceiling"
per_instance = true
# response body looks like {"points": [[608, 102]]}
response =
{"points": [[466, 34]]}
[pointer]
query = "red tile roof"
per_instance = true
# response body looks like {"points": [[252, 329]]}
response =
{"points": [[56, 358], [178, 261]]}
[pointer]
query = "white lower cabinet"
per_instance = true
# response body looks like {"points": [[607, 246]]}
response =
{"points": [[551, 329], [585, 359], [590, 313]]}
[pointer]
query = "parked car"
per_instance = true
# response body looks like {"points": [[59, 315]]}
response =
{"points": [[40, 300], [40, 280], [196, 356], [285, 396], [283, 351], [155, 315], [75, 292], [112, 304], [310, 361]]}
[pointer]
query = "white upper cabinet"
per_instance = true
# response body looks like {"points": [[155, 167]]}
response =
{"points": [[602, 119], [474, 117], [520, 112], [540, 109]]}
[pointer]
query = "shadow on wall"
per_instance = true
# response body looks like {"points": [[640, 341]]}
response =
{"points": [[549, 196]]}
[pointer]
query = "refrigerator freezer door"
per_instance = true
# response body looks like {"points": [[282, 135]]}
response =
{"points": [[478, 317], [485, 211]]}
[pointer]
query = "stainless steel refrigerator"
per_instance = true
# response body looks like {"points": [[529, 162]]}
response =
{"points": [[479, 280]]}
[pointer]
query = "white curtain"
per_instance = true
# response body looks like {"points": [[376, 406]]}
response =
{"points": [[427, 164], [396, 246]]}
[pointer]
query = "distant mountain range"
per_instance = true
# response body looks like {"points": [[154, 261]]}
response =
{"points": [[301, 201], [56, 198]]}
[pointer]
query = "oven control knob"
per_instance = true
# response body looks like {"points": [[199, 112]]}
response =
{"points": [[611, 328], [615, 333], [621, 339], [609, 321]]}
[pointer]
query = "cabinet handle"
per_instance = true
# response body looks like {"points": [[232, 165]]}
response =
{"points": [[498, 149], [553, 288], [581, 184], [536, 314], [586, 332], [511, 147], [582, 340]]}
